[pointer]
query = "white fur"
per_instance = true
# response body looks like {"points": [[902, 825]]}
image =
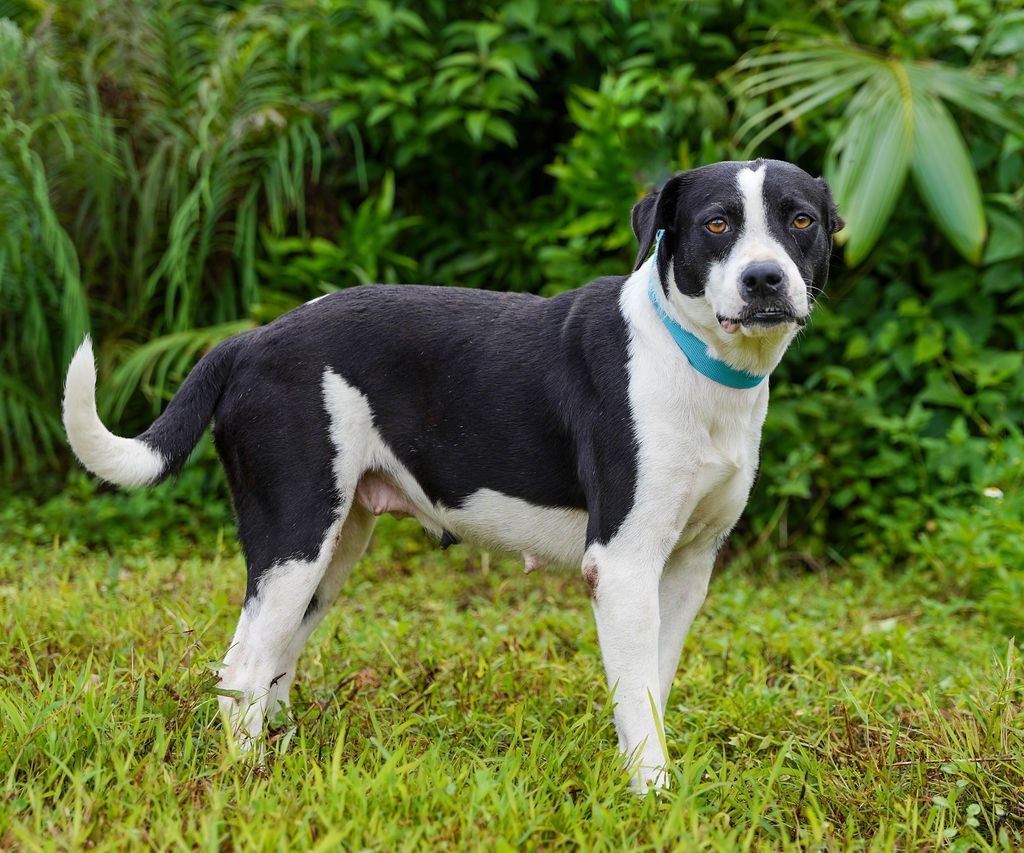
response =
{"points": [[260, 665], [545, 535], [125, 461], [269, 624], [698, 452]]}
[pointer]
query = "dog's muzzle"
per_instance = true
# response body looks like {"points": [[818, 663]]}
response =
{"points": [[763, 286]]}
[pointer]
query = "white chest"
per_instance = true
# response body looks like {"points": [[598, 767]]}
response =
{"points": [[699, 445], [719, 489]]}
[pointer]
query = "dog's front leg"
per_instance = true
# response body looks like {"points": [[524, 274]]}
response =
{"points": [[684, 584], [624, 593]]}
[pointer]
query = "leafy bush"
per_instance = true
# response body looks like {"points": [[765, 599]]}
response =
{"points": [[912, 392], [188, 514], [976, 550], [224, 162]]}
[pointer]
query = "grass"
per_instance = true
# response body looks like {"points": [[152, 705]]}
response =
{"points": [[451, 702]]}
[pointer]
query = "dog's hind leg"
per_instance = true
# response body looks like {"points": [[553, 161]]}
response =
{"points": [[354, 537], [293, 477], [271, 617], [290, 514]]}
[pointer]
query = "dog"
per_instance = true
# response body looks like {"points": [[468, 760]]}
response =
{"points": [[614, 429]]}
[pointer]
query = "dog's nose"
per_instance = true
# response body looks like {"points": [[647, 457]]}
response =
{"points": [[761, 279]]}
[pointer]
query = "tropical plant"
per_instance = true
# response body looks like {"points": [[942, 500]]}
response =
{"points": [[894, 121], [42, 130], [144, 148], [223, 145]]}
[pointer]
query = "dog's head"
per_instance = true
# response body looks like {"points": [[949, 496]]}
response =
{"points": [[751, 239]]}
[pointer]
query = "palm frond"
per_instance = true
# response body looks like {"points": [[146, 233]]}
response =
{"points": [[987, 97], [799, 103], [945, 178], [892, 121], [869, 162]]}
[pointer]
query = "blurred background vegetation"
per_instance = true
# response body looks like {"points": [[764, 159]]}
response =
{"points": [[174, 171]]}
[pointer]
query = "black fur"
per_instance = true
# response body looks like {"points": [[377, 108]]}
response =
{"points": [[470, 389], [474, 389]]}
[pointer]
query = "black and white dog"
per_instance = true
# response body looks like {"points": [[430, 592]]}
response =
{"points": [[614, 428]]}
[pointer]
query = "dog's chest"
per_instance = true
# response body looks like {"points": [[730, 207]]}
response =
{"points": [[698, 457], [720, 484]]}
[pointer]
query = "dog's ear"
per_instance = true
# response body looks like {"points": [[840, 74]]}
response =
{"points": [[644, 228], [835, 221], [654, 211]]}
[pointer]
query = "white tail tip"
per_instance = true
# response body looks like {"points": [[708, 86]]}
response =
{"points": [[125, 461]]}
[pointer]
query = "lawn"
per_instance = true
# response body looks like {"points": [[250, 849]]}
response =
{"points": [[452, 702]]}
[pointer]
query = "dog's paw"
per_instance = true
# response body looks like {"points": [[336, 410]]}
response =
{"points": [[649, 780]]}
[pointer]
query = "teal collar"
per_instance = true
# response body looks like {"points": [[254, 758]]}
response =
{"points": [[695, 350]]}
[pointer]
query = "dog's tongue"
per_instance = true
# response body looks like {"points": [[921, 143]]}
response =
{"points": [[731, 327]]}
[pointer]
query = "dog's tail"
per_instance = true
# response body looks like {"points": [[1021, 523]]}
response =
{"points": [[162, 449]]}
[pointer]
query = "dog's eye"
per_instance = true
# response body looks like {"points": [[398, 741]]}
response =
{"points": [[717, 225], [802, 221]]}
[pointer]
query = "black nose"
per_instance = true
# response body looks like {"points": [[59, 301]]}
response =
{"points": [[761, 279]]}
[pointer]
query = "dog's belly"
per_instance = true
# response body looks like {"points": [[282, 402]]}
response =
{"points": [[544, 535], [370, 474], [489, 519]]}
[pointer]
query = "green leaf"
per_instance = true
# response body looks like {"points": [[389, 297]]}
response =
{"points": [[476, 125], [945, 177], [621, 7], [871, 159], [928, 346], [1006, 240], [997, 367], [819, 75], [500, 129], [802, 101], [982, 96]]}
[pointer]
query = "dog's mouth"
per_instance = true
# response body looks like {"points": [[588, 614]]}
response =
{"points": [[761, 315]]}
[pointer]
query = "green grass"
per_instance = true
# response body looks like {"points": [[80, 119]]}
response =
{"points": [[451, 702]]}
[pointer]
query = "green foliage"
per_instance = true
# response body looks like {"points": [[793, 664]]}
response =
{"points": [[916, 402], [189, 514], [361, 248], [975, 551], [146, 147], [621, 131], [176, 171], [895, 121], [44, 299]]}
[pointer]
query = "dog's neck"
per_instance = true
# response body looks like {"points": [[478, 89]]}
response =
{"points": [[696, 350], [736, 360]]}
